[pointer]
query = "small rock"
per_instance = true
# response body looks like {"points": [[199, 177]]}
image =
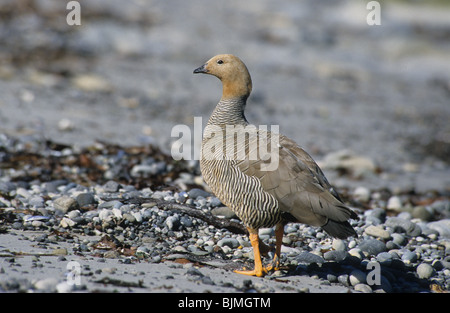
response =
{"points": [[173, 222], [357, 277], [334, 255], [66, 124], [129, 217], [343, 279], [66, 222], [230, 242], [378, 213], [399, 239], [347, 161], [112, 254], [194, 193], [394, 203], [105, 215], [372, 246], [186, 221], [425, 271], [46, 284], [409, 257], [308, 258], [384, 258], [85, 198], [60, 251], [65, 204], [364, 288], [425, 214], [223, 212], [362, 194], [65, 287], [339, 245], [356, 252], [194, 271], [378, 232], [111, 186], [442, 227], [91, 83], [402, 225]]}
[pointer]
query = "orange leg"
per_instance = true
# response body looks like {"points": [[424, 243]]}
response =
{"points": [[275, 265], [259, 270]]}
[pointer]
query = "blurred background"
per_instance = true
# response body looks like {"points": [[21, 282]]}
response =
{"points": [[372, 101]]}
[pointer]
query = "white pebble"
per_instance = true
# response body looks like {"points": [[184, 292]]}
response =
{"points": [[394, 203], [362, 194]]}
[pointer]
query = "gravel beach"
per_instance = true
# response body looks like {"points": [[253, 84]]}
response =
{"points": [[91, 199]]}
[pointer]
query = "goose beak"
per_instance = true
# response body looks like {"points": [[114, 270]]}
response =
{"points": [[201, 69]]}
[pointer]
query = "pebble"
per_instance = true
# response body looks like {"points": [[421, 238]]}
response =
{"points": [[394, 203], [196, 193], [65, 204], [377, 231], [364, 288], [230, 242], [46, 284], [372, 246], [334, 255], [425, 270], [357, 277], [442, 227], [401, 225], [308, 258], [409, 257], [362, 194], [339, 245], [224, 212]]}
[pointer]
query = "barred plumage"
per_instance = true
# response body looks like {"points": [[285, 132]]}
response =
{"points": [[265, 178]]}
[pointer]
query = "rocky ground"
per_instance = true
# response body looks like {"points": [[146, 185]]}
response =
{"points": [[86, 114]]}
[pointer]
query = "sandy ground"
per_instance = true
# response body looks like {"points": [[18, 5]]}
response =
{"points": [[90, 275], [324, 75]]}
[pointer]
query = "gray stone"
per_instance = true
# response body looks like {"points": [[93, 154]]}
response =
{"points": [[334, 255], [339, 245], [425, 214], [409, 257], [377, 231], [442, 227], [402, 225], [6, 187], [425, 270], [194, 193], [224, 211], [186, 221], [357, 277], [385, 258], [85, 198], [399, 239], [36, 201], [46, 284], [65, 204], [230, 242], [343, 279], [194, 271], [173, 222], [372, 246], [308, 258], [111, 186], [362, 194], [394, 203], [364, 288], [378, 213]]}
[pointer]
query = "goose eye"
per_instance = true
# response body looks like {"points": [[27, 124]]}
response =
{"points": [[219, 62]]}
